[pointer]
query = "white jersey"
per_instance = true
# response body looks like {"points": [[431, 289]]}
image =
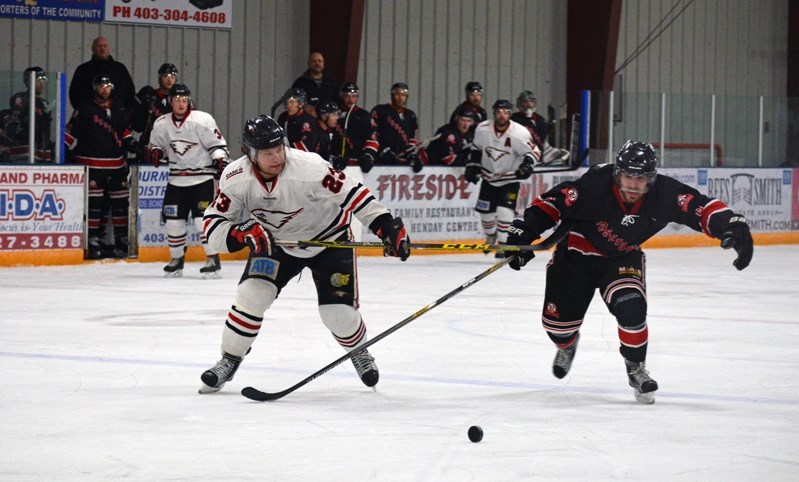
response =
{"points": [[503, 153], [308, 200], [190, 145]]}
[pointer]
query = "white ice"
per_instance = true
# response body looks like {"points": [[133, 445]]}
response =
{"points": [[101, 366]]}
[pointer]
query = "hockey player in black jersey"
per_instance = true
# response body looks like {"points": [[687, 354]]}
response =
{"points": [[356, 127], [397, 130], [538, 127], [152, 103], [300, 127], [329, 143], [451, 143], [474, 99], [612, 210]]}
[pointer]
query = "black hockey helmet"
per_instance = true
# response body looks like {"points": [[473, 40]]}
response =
{"points": [[636, 158], [399, 86], [525, 95], [502, 104], [102, 79], [297, 94], [326, 107], [179, 90], [167, 69], [348, 88], [262, 132], [473, 86], [463, 111], [40, 74]]}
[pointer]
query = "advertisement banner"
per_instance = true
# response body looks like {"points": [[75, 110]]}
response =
{"points": [[41, 208], [795, 200], [174, 13], [70, 10]]}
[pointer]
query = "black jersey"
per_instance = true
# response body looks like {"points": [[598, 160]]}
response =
{"points": [[537, 125], [150, 105], [603, 225], [97, 135], [449, 148], [357, 128], [42, 119], [301, 130], [480, 114], [397, 129], [329, 144]]}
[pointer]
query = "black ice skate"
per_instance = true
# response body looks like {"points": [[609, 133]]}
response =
{"points": [[94, 250], [174, 269], [120, 250], [366, 368], [211, 268], [215, 378], [563, 359], [643, 386]]}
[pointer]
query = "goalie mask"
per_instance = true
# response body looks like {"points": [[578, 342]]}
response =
{"points": [[526, 96]]}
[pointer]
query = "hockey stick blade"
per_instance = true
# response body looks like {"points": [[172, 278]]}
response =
{"points": [[426, 246], [260, 396]]}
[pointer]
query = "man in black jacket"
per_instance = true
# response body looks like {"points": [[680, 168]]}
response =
{"points": [[101, 63], [315, 83]]}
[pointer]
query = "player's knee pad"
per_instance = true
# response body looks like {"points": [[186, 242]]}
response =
{"points": [[629, 308], [342, 320], [255, 296]]}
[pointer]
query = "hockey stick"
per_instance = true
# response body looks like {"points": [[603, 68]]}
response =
{"points": [[426, 246], [259, 396], [346, 125]]}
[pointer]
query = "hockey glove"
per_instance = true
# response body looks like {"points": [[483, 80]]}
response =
{"points": [[526, 169], [473, 173], [388, 157], [250, 233], [521, 235], [153, 155], [366, 161], [395, 238], [737, 236], [338, 162], [416, 163]]}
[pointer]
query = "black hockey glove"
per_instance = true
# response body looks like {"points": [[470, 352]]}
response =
{"points": [[395, 238], [153, 155], [338, 162], [521, 235], [366, 161], [473, 173], [219, 165], [416, 163], [737, 236], [526, 169], [388, 157], [250, 233]]}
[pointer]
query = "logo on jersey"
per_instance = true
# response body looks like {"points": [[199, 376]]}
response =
{"points": [[233, 173], [683, 200], [496, 154], [263, 268], [628, 219], [630, 271], [569, 195], [338, 280], [551, 310], [181, 147], [281, 218], [170, 210]]}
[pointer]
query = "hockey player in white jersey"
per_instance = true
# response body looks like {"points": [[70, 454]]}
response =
{"points": [[503, 153], [278, 192], [196, 152]]}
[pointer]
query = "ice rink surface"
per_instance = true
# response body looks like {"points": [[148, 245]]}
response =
{"points": [[102, 363]]}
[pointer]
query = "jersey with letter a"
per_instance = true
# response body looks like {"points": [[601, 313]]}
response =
{"points": [[191, 145], [502, 153], [308, 200]]}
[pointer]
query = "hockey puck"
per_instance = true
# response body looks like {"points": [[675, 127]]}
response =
{"points": [[475, 433]]}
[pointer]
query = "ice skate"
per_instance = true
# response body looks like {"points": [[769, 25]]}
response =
{"points": [[366, 368], [643, 386], [563, 359], [174, 269], [120, 250], [94, 250], [215, 378], [211, 268]]}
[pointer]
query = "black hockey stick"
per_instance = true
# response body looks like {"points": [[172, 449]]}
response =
{"points": [[426, 246], [259, 396]]}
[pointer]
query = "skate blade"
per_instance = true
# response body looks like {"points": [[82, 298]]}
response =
{"points": [[211, 275], [174, 274], [648, 398], [206, 389]]}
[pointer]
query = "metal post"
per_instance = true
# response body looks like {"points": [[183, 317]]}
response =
{"points": [[585, 123], [713, 160], [610, 130], [60, 98], [663, 129], [31, 116], [760, 134]]}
